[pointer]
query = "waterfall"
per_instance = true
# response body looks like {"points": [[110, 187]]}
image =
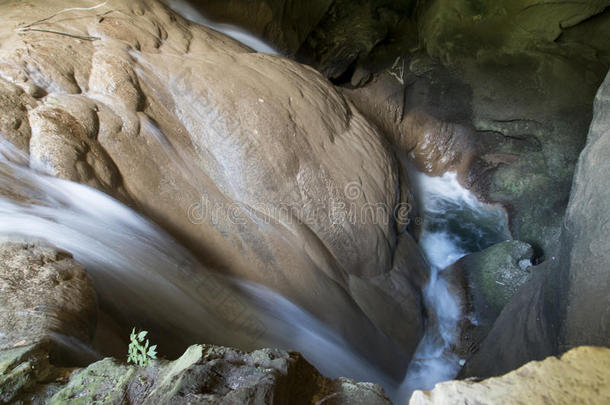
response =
{"points": [[455, 224], [146, 278], [186, 10]]}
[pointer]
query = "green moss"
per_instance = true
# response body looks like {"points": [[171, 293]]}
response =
{"points": [[104, 382], [20, 369]]}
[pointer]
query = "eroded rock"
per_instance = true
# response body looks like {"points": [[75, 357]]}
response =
{"points": [[579, 376], [494, 275], [581, 270], [173, 118], [46, 296], [216, 375]]}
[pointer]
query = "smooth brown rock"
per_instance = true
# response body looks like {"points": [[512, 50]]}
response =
{"points": [[174, 119]]}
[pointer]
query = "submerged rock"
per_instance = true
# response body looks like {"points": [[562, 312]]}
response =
{"points": [[580, 376], [45, 296]]}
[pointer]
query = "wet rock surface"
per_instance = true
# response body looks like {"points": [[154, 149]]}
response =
{"points": [[525, 330], [484, 283], [493, 276]]}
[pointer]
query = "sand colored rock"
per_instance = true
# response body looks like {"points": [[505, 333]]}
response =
{"points": [[581, 376], [46, 296], [255, 162]]}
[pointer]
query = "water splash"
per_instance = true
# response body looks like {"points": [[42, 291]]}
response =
{"points": [[455, 224]]}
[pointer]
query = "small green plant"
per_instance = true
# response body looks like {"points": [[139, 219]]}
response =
{"points": [[139, 351]]}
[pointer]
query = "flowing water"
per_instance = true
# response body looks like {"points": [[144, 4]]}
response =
{"points": [[186, 10], [145, 277], [455, 224]]}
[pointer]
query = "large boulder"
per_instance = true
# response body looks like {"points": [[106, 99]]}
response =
{"points": [[480, 73], [524, 331], [493, 276], [485, 282], [46, 297], [582, 270], [565, 303], [253, 161], [580, 376]]}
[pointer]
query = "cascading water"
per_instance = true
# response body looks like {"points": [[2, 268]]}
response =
{"points": [[186, 10], [146, 278], [455, 224]]}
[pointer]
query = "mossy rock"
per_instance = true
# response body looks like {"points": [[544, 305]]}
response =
{"points": [[21, 368], [494, 275]]}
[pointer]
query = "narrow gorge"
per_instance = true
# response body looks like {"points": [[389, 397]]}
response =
{"points": [[304, 202]]}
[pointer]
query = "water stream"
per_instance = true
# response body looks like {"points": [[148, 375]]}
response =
{"points": [[145, 277], [455, 224], [186, 10]]}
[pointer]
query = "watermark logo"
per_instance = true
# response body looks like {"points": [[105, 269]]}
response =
{"points": [[351, 208]]}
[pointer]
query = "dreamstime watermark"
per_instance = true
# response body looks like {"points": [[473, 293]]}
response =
{"points": [[350, 209]]}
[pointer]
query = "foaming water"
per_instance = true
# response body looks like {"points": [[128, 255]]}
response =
{"points": [[186, 10], [146, 278], [455, 224]]}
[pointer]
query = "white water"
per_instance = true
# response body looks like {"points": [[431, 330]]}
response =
{"points": [[186, 10], [143, 276], [455, 224]]}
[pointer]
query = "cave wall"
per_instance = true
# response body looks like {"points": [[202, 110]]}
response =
{"points": [[334, 36], [517, 76], [583, 271], [533, 73]]}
